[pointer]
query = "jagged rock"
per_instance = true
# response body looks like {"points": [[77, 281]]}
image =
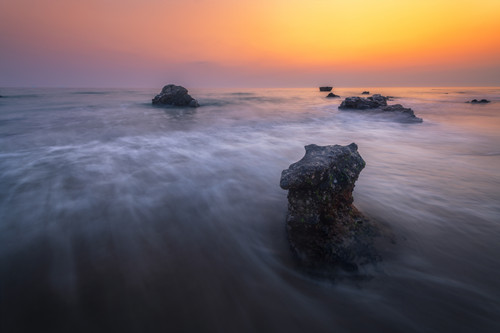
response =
{"points": [[324, 229], [482, 101], [398, 108], [365, 93], [361, 103], [332, 95], [175, 95], [326, 88]]}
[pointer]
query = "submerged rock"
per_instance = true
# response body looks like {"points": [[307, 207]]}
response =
{"points": [[175, 95], [326, 88], [361, 103], [332, 95], [324, 229], [482, 101]]}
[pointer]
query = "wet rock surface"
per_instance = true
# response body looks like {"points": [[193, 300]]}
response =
{"points": [[325, 230], [325, 88], [176, 96], [378, 103]]}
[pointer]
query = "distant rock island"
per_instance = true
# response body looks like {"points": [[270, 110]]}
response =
{"points": [[332, 95], [325, 230], [365, 93], [378, 102], [482, 101], [325, 88], [176, 96]]}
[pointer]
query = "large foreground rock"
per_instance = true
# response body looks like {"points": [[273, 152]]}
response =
{"points": [[175, 95], [378, 103], [324, 229]]}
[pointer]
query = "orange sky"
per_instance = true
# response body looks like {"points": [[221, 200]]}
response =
{"points": [[249, 43]]}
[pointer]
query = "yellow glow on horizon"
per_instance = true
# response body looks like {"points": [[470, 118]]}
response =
{"points": [[265, 34], [384, 32]]}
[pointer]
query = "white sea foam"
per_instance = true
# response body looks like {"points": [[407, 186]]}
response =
{"points": [[109, 206]]}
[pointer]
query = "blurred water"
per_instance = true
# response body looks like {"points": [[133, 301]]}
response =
{"points": [[119, 216]]}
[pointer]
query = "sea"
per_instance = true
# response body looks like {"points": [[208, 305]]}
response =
{"points": [[120, 216]]}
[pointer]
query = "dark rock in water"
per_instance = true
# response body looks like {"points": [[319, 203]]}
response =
{"points": [[365, 93], [379, 103], [175, 95], [398, 108], [482, 101], [332, 95], [325, 230], [325, 88], [361, 103]]}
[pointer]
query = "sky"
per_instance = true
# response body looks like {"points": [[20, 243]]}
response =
{"points": [[259, 43]]}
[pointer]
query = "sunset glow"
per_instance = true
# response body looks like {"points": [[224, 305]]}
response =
{"points": [[221, 41]]}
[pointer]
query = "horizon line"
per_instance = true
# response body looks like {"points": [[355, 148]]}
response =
{"points": [[247, 87]]}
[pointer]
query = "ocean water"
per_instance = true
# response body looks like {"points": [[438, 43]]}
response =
{"points": [[119, 216]]}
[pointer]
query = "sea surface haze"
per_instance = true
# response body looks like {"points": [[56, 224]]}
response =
{"points": [[116, 215]]}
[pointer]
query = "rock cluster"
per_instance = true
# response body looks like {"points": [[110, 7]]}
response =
{"points": [[324, 229], [175, 95], [378, 102], [361, 103], [482, 101], [326, 88]]}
